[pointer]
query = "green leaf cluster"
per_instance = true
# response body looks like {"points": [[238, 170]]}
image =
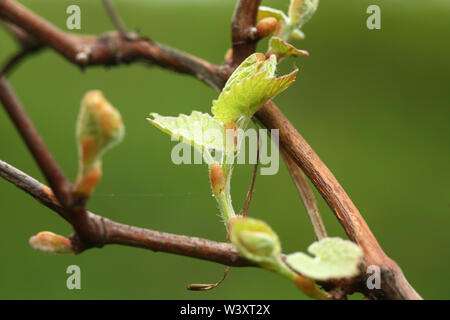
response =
{"points": [[250, 86]]}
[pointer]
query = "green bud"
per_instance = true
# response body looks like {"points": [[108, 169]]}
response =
{"points": [[254, 239], [257, 242]]}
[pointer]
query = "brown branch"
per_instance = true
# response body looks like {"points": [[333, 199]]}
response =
{"points": [[62, 187], [116, 233], [243, 31], [111, 49], [52, 172], [27, 43], [394, 284], [307, 196], [121, 234], [12, 62], [22, 37]]}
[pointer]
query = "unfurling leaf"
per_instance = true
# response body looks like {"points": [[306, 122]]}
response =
{"points": [[295, 10], [334, 258], [197, 129], [99, 127], [282, 49], [247, 68], [52, 243], [250, 86], [297, 34], [300, 11], [254, 239], [267, 12]]}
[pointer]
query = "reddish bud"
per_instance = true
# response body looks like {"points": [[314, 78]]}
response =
{"points": [[50, 242], [217, 178], [266, 26]]}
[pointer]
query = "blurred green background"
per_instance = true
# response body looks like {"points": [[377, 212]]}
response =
{"points": [[373, 104]]}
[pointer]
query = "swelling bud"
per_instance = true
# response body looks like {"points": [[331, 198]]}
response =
{"points": [[266, 27], [99, 127], [50, 242], [217, 179], [254, 239]]}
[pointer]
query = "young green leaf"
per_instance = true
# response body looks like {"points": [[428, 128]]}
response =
{"points": [[282, 49], [295, 10], [266, 12], [301, 11], [334, 258], [197, 129], [297, 34], [257, 242], [251, 85], [247, 68]]}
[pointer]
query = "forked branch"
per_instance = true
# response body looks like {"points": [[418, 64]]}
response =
{"points": [[116, 233], [113, 49]]}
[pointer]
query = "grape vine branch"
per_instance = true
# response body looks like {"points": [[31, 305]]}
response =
{"points": [[34, 33]]}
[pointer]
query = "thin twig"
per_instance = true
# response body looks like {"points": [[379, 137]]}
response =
{"points": [[117, 21], [307, 196], [109, 49], [27, 44], [12, 62], [248, 199], [208, 286], [25, 40], [52, 172], [115, 18]]}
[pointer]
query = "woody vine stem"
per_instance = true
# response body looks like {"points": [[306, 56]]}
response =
{"points": [[33, 33]]}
